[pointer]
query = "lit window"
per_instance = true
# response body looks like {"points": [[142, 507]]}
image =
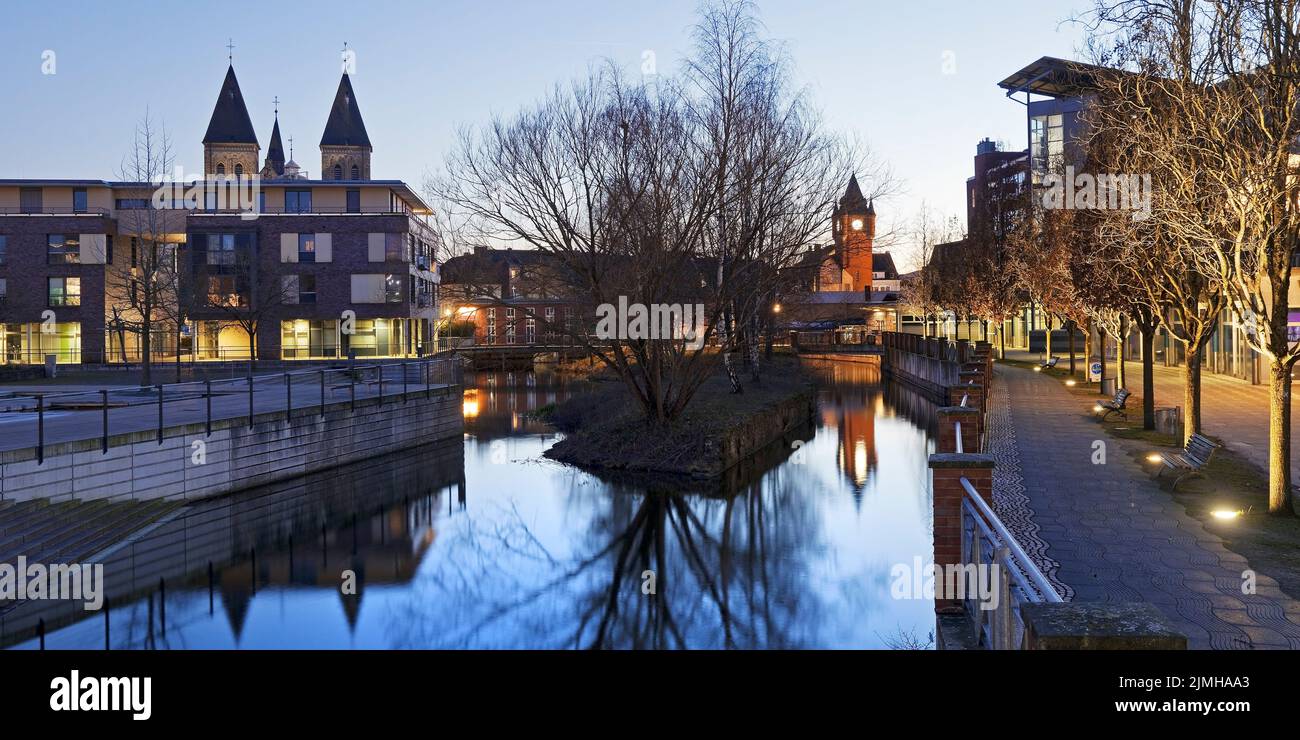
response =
{"points": [[64, 291]]}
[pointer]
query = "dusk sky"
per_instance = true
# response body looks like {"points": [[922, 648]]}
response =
{"points": [[425, 68]]}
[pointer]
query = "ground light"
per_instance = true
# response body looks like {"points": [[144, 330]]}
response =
{"points": [[1155, 457], [1225, 514], [1071, 382], [1038, 369], [1097, 409]]}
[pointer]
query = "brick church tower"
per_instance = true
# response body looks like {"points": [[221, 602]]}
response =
{"points": [[345, 147], [853, 225]]}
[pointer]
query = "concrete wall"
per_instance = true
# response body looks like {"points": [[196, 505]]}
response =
{"points": [[235, 455], [930, 375]]}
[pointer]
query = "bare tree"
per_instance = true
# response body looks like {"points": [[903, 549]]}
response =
{"points": [[661, 195], [141, 281], [1215, 91]]}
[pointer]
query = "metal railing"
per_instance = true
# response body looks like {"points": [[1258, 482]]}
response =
{"points": [[295, 392], [985, 543]]}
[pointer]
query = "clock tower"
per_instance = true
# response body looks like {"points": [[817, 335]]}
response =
{"points": [[853, 225]]}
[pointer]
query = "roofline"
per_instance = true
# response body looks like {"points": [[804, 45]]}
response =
{"points": [[1030, 78]]}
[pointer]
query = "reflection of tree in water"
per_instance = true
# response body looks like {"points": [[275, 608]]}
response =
{"points": [[729, 572]]}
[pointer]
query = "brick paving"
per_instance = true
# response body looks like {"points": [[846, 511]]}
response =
{"points": [[1232, 410], [1113, 535]]}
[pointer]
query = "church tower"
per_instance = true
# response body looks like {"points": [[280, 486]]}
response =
{"points": [[345, 147], [853, 225], [230, 146], [274, 165]]}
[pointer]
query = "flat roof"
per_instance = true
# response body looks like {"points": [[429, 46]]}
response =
{"points": [[404, 190], [1054, 78]]}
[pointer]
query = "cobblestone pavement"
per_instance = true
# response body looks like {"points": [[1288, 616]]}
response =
{"points": [[1111, 534]]}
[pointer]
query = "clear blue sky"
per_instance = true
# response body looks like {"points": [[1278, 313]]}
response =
{"points": [[425, 68]]}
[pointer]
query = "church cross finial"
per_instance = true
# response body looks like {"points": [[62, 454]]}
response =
{"points": [[230, 50], [276, 101], [290, 147]]}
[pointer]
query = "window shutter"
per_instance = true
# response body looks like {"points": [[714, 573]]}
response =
{"points": [[93, 248], [376, 246], [324, 248], [288, 247]]}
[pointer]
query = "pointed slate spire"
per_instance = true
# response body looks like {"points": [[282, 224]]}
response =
{"points": [[230, 122], [275, 150], [345, 127], [853, 197]]}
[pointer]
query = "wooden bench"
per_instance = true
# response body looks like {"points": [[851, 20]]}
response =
{"points": [[1051, 363], [1198, 453], [1115, 405]]}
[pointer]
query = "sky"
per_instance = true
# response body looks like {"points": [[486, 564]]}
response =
{"points": [[914, 80]]}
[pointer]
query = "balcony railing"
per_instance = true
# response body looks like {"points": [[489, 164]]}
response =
{"points": [[52, 211]]}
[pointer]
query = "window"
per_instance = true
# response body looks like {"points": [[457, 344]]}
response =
{"points": [[132, 204], [306, 247], [297, 201], [64, 291], [306, 288], [221, 249], [338, 172], [530, 330], [354, 201], [221, 169], [393, 247], [223, 290], [239, 170], [491, 326], [63, 249], [356, 173], [394, 288], [510, 326], [30, 200], [4, 248], [79, 203]]}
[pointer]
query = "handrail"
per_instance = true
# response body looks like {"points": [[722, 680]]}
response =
{"points": [[158, 395], [1022, 561]]}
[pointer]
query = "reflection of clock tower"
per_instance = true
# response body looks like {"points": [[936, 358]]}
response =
{"points": [[853, 224]]}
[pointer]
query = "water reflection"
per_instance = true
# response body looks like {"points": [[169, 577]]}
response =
{"points": [[499, 547]]}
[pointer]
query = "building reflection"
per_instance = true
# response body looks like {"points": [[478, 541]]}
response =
{"points": [[851, 398]]}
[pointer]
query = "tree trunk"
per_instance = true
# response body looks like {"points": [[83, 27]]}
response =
{"points": [[1048, 335], [1279, 439], [1192, 394], [1101, 354], [1121, 372], [1148, 378], [1069, 327], [146, 361]]}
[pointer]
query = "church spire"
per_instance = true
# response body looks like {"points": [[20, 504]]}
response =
{"points": [[274, 166], [345, 147], [230, 122]]}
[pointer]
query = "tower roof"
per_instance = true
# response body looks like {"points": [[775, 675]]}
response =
{"points": [[853, 198], [275, 150], [345, 127], [230, 122]]}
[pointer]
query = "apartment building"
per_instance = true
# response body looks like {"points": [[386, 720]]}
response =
{"points": [[326, 268]]}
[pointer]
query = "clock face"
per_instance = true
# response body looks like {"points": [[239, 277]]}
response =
{"points": [[857, 224]]}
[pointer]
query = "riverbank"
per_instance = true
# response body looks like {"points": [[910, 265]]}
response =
{"points": [[605, 429]]}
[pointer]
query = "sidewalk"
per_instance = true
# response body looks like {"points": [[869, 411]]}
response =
{"points": [[1232, 410], [1112, 535]]}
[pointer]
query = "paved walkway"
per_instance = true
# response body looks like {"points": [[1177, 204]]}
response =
{"points": [[1111, 534], [71, 415], [1232, 410]]}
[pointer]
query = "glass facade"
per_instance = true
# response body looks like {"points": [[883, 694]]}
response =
{"points": [[28, 344]]}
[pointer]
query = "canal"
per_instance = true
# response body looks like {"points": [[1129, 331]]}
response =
{"points": [[490, 545]]}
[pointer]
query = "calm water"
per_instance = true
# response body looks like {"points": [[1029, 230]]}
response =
{"points": [[490, 545]]}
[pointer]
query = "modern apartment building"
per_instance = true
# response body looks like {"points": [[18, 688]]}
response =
{"points": [[311, 268]]}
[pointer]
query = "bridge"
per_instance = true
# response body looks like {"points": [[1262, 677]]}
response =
{"points": [[851, 340]]}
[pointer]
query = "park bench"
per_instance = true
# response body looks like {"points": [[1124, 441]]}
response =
{"points": [[1115, 405], [1198, 453], [1051, 363]]}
